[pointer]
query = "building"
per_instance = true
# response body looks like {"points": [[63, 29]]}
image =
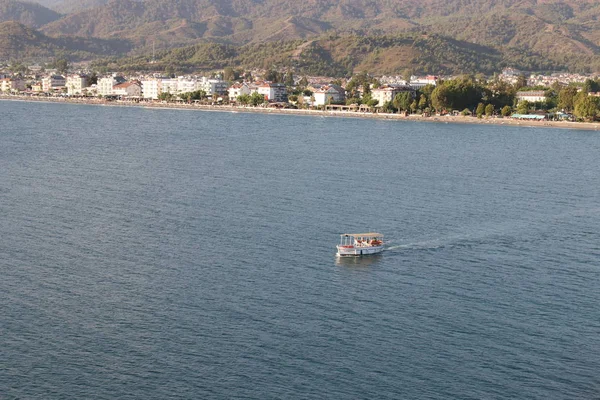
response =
{"points": [[151, 89], [238, 89], [276, 92], [419, 82], [388, 93], [128, 89], [213, 86], [11, 85], [106, 84], [37, 87], [76, 83], [329, 94], [533, 96], [53, 83]]}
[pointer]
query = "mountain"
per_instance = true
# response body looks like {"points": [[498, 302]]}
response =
{"points": [[33, 15], [341, 55], [71, 6], [20, 42], [532, 34], [499, 22]]}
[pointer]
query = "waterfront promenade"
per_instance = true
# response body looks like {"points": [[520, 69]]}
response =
{"points": [[312, 112]]}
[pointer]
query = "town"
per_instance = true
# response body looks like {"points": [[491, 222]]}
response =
{"points": [[511, 93]]}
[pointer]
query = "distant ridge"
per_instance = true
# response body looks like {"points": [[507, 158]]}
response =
{"points": [[30, 14], [19, 42], [532, 34]]}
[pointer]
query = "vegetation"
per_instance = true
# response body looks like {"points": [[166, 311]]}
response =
{"points": [[337, 38]]}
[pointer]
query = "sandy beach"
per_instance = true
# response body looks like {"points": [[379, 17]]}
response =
{"points": [[347, 114]]}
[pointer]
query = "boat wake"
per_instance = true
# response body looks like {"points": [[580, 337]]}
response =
{"points": [[424, 245]]}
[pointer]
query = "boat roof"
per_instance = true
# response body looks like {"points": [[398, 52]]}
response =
{"points": [[371, 234]]}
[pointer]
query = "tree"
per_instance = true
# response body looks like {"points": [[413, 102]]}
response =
{"points": [[289, 79], [590, 86], [402, 101], [61, 65], [500, 93], [456, 94], [361, 80], [423, 103], [372, 102], [506, 111], [480, 110], [273, 76], [587, 107], [196, 95], [165, 96], [427, 90], [18, 68], [440, 98], [566, 98], [257, 99], [489, 110], [229, 74], [388, 107], [243, 99], [523, 107], [92, 79], [414, 106]]}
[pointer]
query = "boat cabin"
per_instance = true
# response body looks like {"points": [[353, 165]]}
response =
{"points": [[371, 239]]}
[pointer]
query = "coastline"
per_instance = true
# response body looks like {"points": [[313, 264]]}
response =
{"points": [[286, 111]]}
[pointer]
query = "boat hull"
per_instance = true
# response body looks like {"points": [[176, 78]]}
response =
{"points": [[356, 251]]}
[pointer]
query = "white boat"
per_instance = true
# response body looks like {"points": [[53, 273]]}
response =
{"points": [[359, 244]]}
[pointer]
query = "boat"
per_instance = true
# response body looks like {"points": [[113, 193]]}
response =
{"points": [[359, 244]]}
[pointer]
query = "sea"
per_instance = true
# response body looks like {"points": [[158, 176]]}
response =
{"points": [[175, 254]]}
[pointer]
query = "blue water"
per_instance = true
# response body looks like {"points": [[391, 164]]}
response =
{"points": [[153, 254]]}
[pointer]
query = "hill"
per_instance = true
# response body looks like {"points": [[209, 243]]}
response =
{"points": [[71, 6], [341, 55], [531, 34], [33, 15], [22, 43]]}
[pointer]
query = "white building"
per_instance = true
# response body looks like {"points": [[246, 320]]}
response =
{"points": [[273, 91], [76, 83], [532, 96], [238, 89], [188, 85], [388, 93], [53, 83], [170, 86], [151, 88], [329, 94], [106, 84], [213, 86], [419, 82]]}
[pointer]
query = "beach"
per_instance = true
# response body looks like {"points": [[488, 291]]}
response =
{"points": [[454, 119]]}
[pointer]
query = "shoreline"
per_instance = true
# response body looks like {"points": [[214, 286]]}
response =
{"points": [[286, 111]]}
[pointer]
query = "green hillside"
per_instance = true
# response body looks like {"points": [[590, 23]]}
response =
{"points": [[342, 55]]}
